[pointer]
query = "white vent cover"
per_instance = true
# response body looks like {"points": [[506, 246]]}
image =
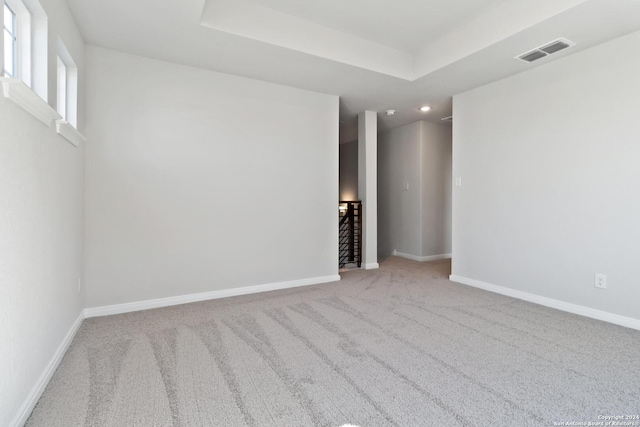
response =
{"points": [[545, 50]]}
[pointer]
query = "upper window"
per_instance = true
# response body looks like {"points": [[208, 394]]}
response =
{"points": [[10, 41], [67, 85], [25, 43], [17, 41], [62, 88]]}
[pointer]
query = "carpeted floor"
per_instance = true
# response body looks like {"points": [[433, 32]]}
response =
{"points": [[398, 346]]}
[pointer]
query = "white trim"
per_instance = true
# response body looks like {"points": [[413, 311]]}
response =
{"points": [[27, 407], [17, 91], [67, 87], [370, 266], [185, 299], [68, 132], [255, 21], [421, 258], [550, 302]]}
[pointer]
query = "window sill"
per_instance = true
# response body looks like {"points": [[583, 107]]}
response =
{"points": [[17, 91], [68, 132]]}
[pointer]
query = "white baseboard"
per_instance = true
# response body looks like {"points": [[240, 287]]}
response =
{"points": [[421, 258], [203, 296], [550, 302], [370, 266], [37, 390]]}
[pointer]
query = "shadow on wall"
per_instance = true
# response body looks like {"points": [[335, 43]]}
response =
{"points": [[414, 190], [349, 171]]}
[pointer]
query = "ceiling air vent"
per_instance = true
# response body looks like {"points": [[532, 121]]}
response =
{"points": [[532, 56], [556, 46], [545, 50]]}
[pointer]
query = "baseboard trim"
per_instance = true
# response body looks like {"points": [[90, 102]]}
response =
{"points": [[370, 266], [203, 296], [32, 399], [550, 302], [421, 258]]}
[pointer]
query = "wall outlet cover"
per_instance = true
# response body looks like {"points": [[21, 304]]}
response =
{"points": [[600, 281]]}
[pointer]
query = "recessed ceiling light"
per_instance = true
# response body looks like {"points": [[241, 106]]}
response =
{"points": [[425, 108], [391, 112]]}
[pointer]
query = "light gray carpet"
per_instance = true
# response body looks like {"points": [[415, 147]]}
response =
{"points": [[398, 346]]}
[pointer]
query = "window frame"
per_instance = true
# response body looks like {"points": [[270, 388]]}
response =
{"points": [[14, 41], [66, 85], [23, 44], [28, 86], [30, 45], [61, 87]]}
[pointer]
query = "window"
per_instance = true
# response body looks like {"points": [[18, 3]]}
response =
{"points": [[24, 60], [67, 86], [17, 41], [25, 43], [10, 42], [62, 88]]}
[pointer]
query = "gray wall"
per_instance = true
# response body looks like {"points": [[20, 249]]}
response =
{"points": [[189, 190], [41, 202], [549, 161], [349, 171], [436, 188], [414, 222], [398, 210]]}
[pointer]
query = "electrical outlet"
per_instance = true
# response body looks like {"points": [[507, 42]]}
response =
{"points": [[600, 281]]}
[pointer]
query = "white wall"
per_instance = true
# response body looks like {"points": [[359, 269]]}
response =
{"points": [[416, 221], [368, 186], [436, 188], [549, 162], [399, 211], [199, 181], [349, 171], [41, 192]]}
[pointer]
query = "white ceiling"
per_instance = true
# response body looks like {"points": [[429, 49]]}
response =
{"points": [[421, 21], [374, 56]]}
